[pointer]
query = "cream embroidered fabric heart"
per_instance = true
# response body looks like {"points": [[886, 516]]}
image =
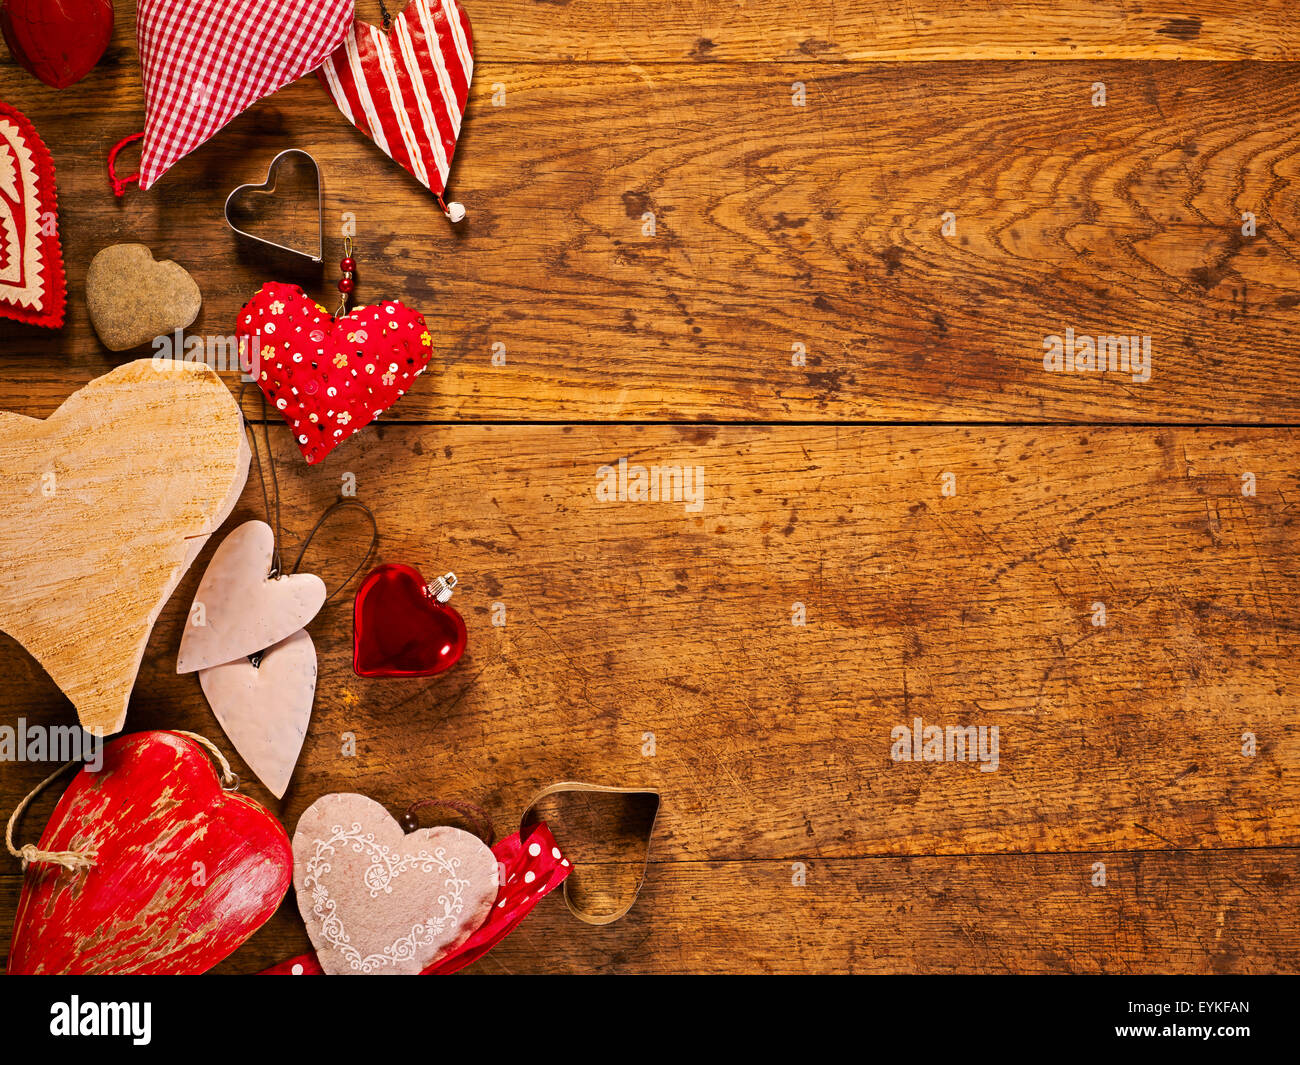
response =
{"points": [[380, 901]]}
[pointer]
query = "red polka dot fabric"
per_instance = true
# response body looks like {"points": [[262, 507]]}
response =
{"points": [[330, 378]]}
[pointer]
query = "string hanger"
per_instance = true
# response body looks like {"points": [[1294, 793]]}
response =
{"points": [[474, 814], [271, 505], [119, 184], [79, 861], [346, 284]]}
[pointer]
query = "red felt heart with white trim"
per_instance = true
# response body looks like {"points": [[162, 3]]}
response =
{"points": [[32, 287], [406, 90], [329, 378]]}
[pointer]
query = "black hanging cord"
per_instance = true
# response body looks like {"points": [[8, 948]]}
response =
{"points": [[374, 540], [278, 532]]}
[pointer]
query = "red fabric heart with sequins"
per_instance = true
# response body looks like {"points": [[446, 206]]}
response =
{"points": [[328, 378]]}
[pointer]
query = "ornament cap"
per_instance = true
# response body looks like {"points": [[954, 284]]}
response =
{"points": [[441, 588]]}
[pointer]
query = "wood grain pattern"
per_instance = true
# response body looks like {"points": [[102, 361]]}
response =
{"points": [[885, 30], [773, 740], [1211, 912], [631, 624], [776, 226]]}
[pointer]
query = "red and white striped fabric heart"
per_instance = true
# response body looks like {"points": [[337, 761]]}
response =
{"points": [[205, 61], [406, 90]]}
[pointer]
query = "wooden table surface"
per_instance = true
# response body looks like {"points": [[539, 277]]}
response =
{"points": [[653, 643]]}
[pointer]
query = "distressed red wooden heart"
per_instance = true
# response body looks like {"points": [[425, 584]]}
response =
{"points": [[184, 872], [58, 41], [400, 630], [32, 287], [406, 90], [330, 378]]}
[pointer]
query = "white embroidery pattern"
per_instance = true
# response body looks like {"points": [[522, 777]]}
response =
{"points": [[384, 868]]}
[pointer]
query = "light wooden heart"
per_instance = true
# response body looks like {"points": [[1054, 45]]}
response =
{"points": [[265, 708], [110, 499], [239, 610], [377, 900]]}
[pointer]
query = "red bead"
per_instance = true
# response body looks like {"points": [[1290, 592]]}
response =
{"points": [[348, 265], [345, 284]]}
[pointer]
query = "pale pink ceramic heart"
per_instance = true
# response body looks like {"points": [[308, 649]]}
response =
{"points": [[239, 610], [377, 900], [265, 708]]}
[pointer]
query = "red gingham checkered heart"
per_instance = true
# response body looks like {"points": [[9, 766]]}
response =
{"points": [[32, 287], [407, 90], [330, 378], [205, 61]]}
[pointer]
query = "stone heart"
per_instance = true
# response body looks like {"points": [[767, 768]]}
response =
{"points": [[183, 871], [377, 900], [132, 298], [265, 708], [110, 499], [328, 378], [32, 286], [238, 609]]}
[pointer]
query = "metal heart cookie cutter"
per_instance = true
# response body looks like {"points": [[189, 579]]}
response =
{"points": [[267, 188]]}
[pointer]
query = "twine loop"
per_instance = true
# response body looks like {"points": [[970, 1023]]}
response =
{"points": [[73, 861], [78, 861]]}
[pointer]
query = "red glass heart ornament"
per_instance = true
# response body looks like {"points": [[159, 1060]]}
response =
{"points": [[183, 872], [58, 41], [329, 378], [32, 286], [402, 625]]}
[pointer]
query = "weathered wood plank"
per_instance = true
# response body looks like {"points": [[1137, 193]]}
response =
{"points": [[772, 740], [891, 30], [775, 226], [1177, 912], [525, 31]]}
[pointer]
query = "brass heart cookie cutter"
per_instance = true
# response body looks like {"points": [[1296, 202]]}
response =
{"points": [[267, 188]]}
